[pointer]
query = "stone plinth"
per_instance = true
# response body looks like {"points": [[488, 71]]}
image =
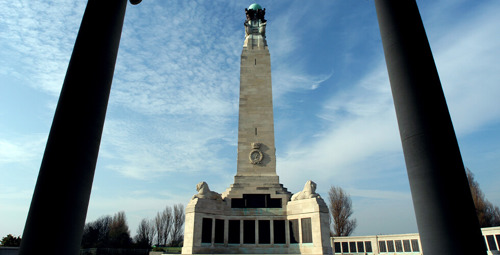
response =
{"points": [[317, 211], [299, 227]]}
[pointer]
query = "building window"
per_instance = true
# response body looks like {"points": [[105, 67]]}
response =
{"points": [[406, 245], [352, 246], [390, 246], [256, 201], [206, 230], [294, 231], [249, 231], [399, 246], [368, 246], [264, 231], [219, 231], [306, 230], [382, 246], [361, 248], [345, 247], [414, 245], [336, 247], [279, 231], [234, 232], [491, 243]]}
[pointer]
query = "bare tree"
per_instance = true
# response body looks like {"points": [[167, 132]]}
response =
{"points": [[119, 234], [96, 233], [159, 227], [340, 212], [145, 233], [178, 225], [163, 226], [152, 231], [487, 214], [167, 221]]}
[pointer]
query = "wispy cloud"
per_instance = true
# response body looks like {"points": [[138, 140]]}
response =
{"points": [[41, 36], [188, 87], [467, 61], [184, 62], [165, 146], [359, 130], [359, 124], [21, 149], [379, 194], [180, 74]]}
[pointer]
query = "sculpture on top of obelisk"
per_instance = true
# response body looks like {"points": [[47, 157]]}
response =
{"points": [[255, 27]]}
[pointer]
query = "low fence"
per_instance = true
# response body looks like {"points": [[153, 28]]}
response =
{"points": [[111, 251], [9, 250]]}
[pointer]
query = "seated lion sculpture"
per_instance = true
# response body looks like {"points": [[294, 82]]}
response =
{"points": [[309, 191], [205, 193]]}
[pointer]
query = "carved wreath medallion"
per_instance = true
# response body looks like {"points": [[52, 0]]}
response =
{"points": [[255, 155]]}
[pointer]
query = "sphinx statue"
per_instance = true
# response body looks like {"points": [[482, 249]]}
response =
{"points": [[309, 191], [204, 192]]}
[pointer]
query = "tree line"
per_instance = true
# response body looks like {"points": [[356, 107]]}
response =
{"points": [[166, 229], [487, 214], [10, 241], [340, 207]]}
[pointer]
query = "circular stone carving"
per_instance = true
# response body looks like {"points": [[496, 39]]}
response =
{"points": [[256, 156]]}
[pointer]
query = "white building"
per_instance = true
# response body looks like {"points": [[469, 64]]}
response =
{"points": [[404, 244]]}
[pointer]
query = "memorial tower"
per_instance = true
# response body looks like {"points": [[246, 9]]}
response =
{"points": [[256, 214]]}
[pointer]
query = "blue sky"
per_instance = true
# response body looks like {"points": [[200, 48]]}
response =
{"points": [[173, 110]]}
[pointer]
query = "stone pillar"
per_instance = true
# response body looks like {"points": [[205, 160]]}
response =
{"points": [[241, 232], [444, 208], [226, 232], [212, 241], [61, 196], [287, 232], [257, 241], [271, 229]]}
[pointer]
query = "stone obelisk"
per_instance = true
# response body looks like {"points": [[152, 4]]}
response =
{"points": [[256, 152]]}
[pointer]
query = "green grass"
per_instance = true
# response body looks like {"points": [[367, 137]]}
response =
{"points": [[171, 250]]}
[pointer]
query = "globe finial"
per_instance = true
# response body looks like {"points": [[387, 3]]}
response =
{"points": [[255, 6]]}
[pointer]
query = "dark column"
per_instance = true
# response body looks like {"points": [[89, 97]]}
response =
{"points": [[443, 203], [59, 205]]}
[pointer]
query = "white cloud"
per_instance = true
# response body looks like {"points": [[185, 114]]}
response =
{"points": [[40, 35], [467, 57], [362, 119], [287, 79], [21, 149], [380, 194], [184, 62], [360, 123], [170, 145], [355, 146]]}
